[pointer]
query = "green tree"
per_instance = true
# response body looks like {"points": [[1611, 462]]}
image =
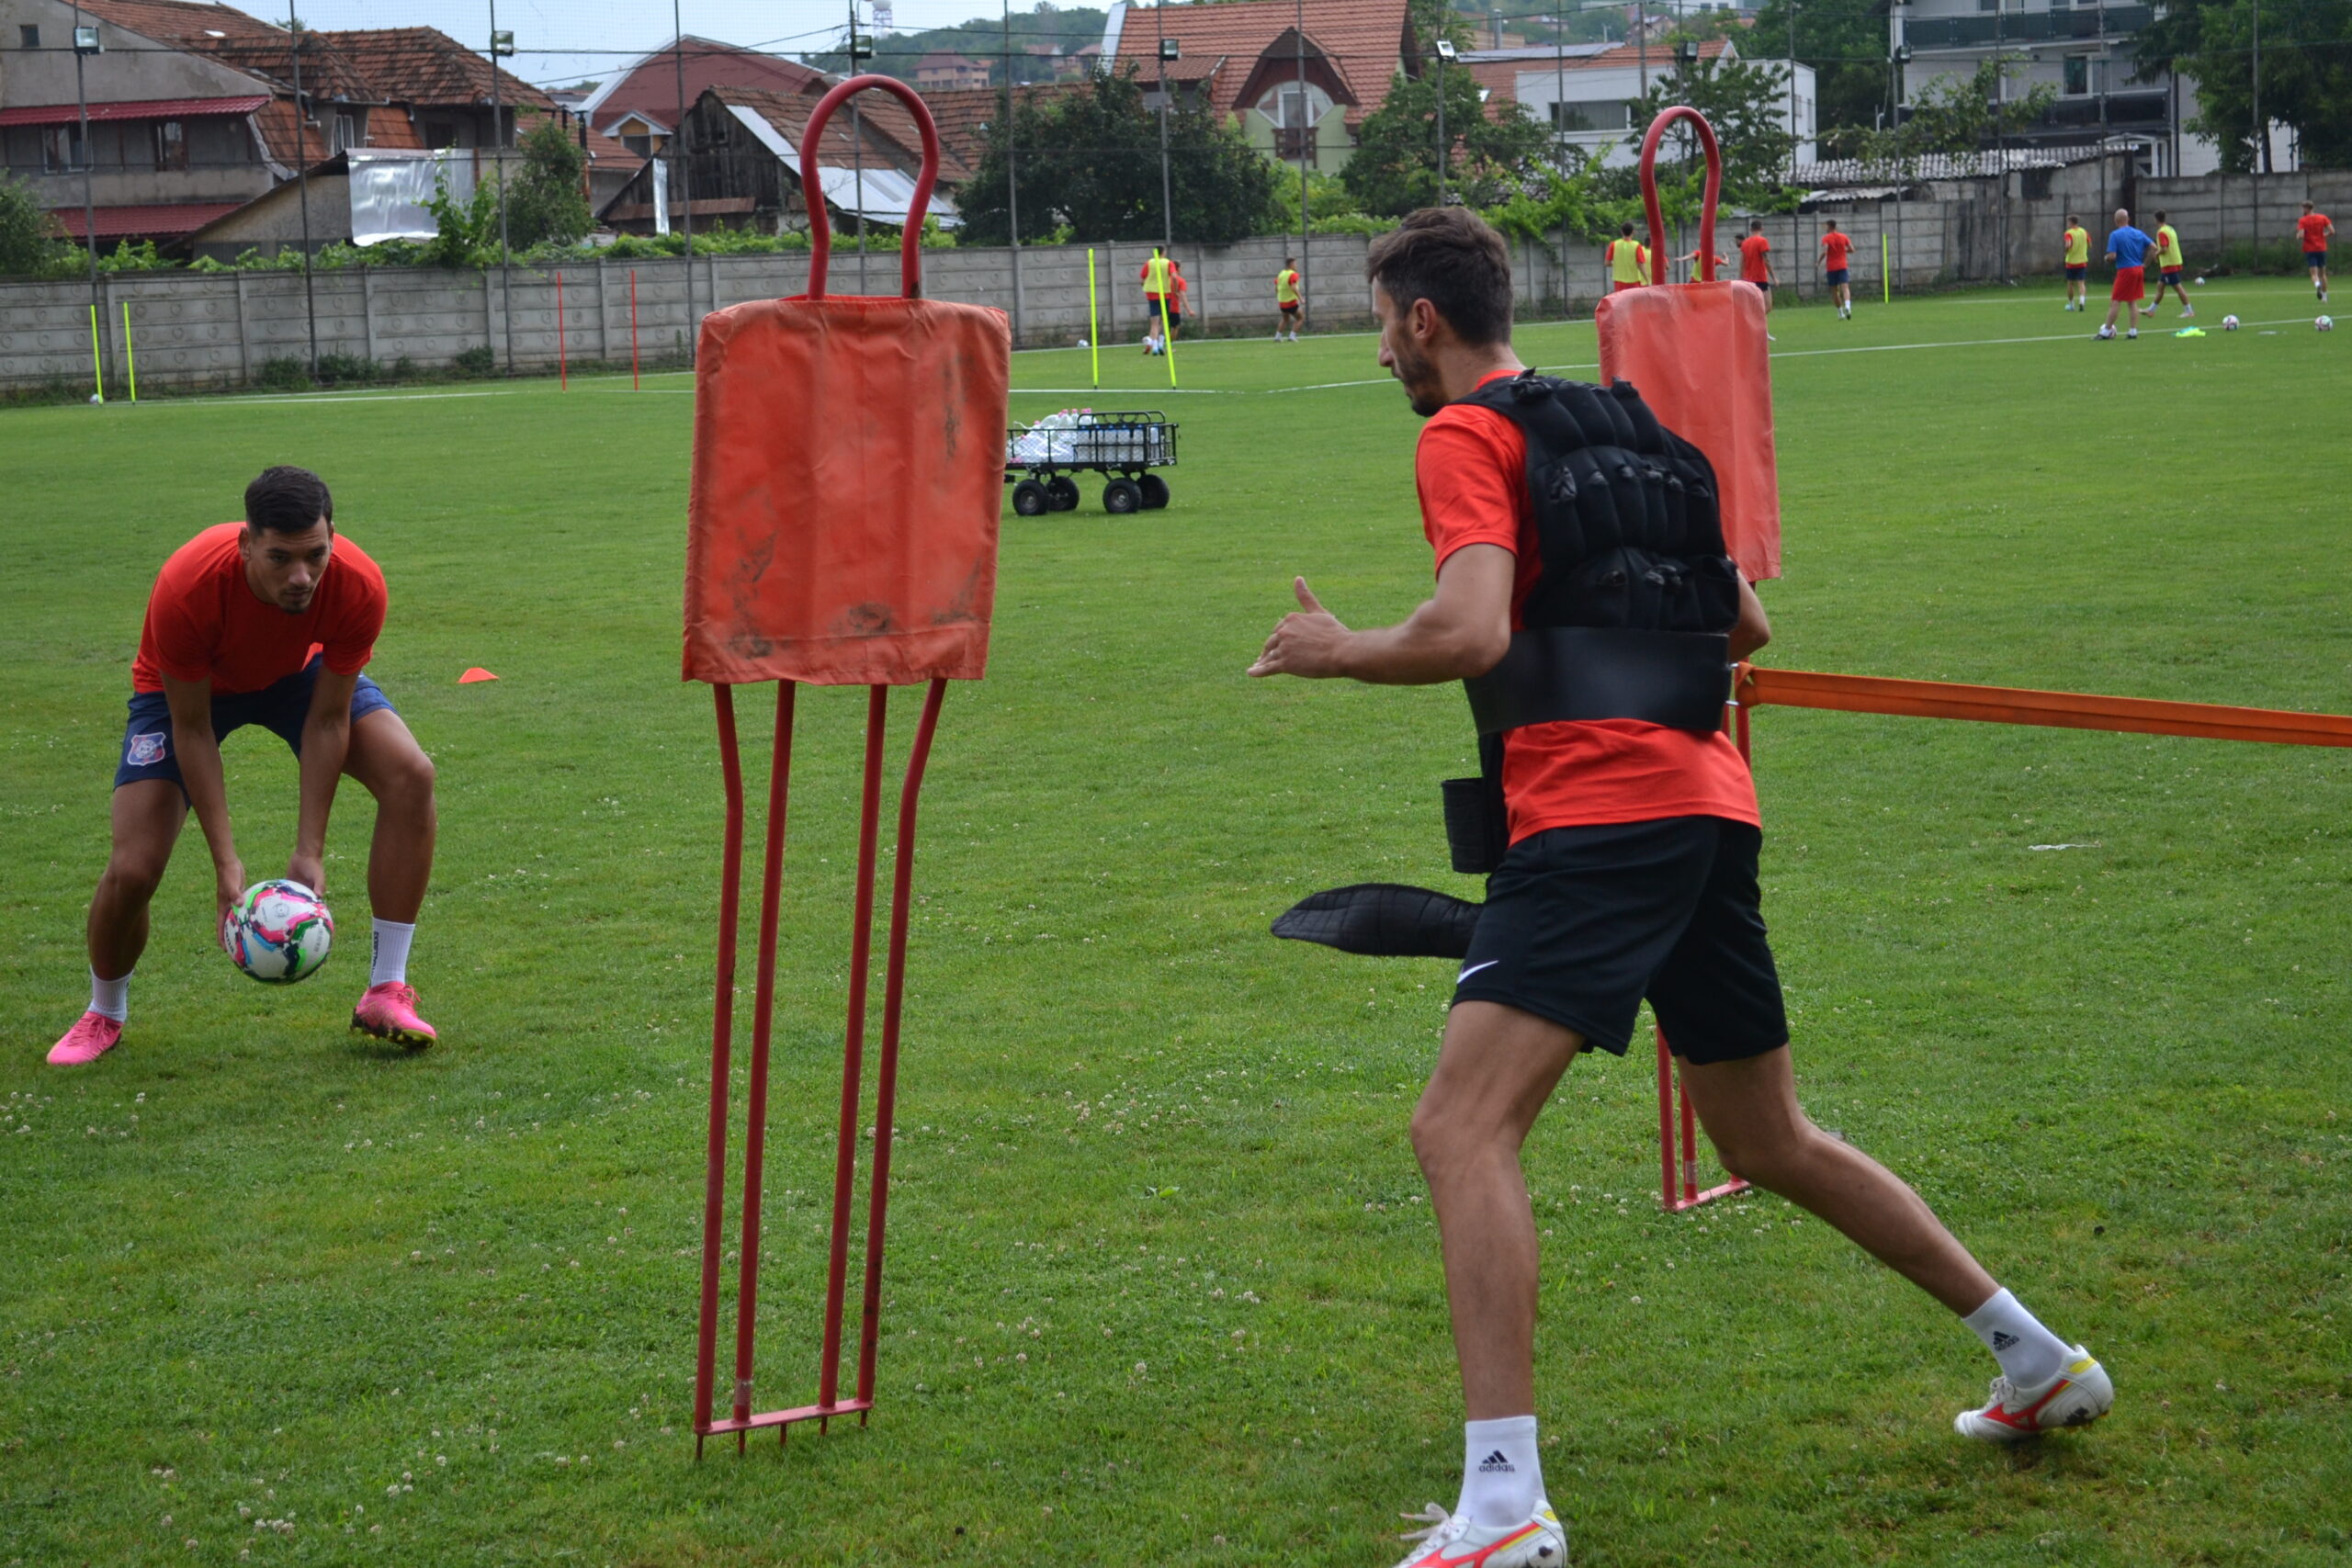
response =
{"points": [[1958, 114], [465, 231], [1845, 41], [547, 204], [27, 241], [1061, 31], [1088, 162], [2306, 72], [1495, 150], [1748, 106]]}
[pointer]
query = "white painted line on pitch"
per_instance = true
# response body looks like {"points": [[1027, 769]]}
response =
{"points": [[1992, 342], [337, 397]]}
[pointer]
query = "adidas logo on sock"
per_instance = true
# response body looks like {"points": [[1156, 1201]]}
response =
{"points": [[1495, 1464], [2003, 1340]]}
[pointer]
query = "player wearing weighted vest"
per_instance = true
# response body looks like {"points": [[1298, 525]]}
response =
{"points": [[1584, 597]]}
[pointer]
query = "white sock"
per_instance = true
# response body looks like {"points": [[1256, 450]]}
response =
{"points": [[2029, 1353], [1502, 1479], [110, 998], [390, 963]]}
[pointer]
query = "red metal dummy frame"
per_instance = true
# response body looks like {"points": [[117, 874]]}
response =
{"points": [[742, 1418], [1753, 688]]}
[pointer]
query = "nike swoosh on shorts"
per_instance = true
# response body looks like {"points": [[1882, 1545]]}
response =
{"points": [[1490, 964]]}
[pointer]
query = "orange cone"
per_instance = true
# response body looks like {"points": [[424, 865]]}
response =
{"points": [[474, 674]]}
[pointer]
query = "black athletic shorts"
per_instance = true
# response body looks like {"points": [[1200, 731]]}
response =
{"points": [[1580, 924]]}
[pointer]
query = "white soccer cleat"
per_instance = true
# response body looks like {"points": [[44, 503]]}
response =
{"points": [[2078, 1397], [2133, 333], [2106, 335], [1451, 1540]]}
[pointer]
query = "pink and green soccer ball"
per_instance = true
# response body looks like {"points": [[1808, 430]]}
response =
{"points": [[278, 932]]}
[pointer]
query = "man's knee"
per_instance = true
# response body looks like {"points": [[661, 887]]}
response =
{"points": [[133, 873], [405, 780], [1767, 1154]]}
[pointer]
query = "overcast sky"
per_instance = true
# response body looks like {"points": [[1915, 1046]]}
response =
{"points": [[560, 41]]}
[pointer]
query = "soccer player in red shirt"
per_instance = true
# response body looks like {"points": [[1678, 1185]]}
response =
{"points": [[270, 622], [1632, 874], [2314, 230], [1754, 264], [1834, 248]]}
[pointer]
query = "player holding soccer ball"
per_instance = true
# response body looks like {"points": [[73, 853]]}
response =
{"points": [[1630, 873], [270, 622]]}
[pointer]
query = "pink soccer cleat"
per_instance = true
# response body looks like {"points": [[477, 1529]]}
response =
{"points": [[388, 1012], [91, 1037]]}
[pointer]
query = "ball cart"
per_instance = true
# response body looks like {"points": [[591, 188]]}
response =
{"points": [[1122, 446]]}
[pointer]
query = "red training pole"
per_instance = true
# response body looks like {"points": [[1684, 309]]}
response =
{"points": [[894, 980], [632, 330], [562, 363], [861, 955], [722, 1032], [1665, 1123], [756, 1139]]}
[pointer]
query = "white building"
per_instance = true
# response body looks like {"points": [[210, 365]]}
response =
{"points": [[1591, 93]]}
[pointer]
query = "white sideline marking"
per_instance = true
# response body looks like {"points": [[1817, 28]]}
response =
{"points": [[1993, 341]]}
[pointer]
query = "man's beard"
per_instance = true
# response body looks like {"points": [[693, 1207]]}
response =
{"points": [[1420, 392]]}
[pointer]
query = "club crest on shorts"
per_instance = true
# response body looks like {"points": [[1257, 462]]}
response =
{"points": [[145, 750]]}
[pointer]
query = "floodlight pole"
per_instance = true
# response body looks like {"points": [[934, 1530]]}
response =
{"points": [[857, 148], [1560, 132], [1444, 49], [302, 186], [1167, 199], [498, 162], [89, 201], [2261, 130], [678, 161]]}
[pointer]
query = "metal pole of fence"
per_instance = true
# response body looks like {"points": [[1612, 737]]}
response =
{"points": [[89, 202], [498, 162], [1011, 175], [1167, 201], [302, 186], [678, 165]]}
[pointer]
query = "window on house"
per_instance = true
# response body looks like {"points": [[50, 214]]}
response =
{"points": [[640, 146], [1599, 114], [440, 133], [27, 37], [2078, 75], [60, 148], [342, 134], [170, 145]]}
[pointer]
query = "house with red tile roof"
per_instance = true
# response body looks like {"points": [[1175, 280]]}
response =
{"points": [[639, 103], [949, 71], [1298, 76], [965, 115], [1590, 93]]}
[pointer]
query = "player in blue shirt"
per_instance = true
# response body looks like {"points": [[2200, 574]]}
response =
{"points": [[2128, 248]]}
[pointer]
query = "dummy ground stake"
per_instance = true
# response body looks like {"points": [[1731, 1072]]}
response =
{"points": [[842, 531]]}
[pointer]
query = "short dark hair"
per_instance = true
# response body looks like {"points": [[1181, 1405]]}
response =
{"points": [[1833, 223], [288, 499], [1756, 225], [2072, 219], [2160, 214], [1450, 257], [1626, 229]]}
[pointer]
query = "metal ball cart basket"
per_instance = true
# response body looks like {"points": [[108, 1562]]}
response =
{"points": [[1122, 446]]}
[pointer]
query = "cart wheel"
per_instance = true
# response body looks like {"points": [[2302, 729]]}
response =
{"points": [[1122, 496], [1062, 491], [1155, 491], [1030, 499]]}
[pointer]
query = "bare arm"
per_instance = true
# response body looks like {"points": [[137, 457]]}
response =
{"points": [[1464, 629], [1752, 630], [207, 793], [326, 741]]}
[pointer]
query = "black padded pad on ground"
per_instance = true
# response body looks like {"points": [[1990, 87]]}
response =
{"points": [[1382, 920]]}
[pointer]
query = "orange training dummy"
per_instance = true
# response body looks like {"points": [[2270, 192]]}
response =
{"points": [[848, 472], [1695, 351]]}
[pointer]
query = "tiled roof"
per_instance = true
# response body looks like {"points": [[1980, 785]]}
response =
{"points": [[789, 113], [388, 126], [236, 39], [146, 108], [1941, 166], [170, 220], [649, 85], [961, 112], [1368, 38], [426, 65]]}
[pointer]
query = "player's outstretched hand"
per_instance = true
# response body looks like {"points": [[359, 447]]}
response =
{"points": [[1307, 642], [228, 887]]}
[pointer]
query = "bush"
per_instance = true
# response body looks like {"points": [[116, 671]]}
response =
{"points": [[29, 245], [283, 374], [404, 369], [347, 369], [479, 360]]}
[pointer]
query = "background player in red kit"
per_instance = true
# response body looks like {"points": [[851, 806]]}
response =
{"points": [[1835, 247], [270, 622]]}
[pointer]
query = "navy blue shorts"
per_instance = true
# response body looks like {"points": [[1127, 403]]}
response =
{"points": [[1581, 924], [281, 708], [2314, 259], [2078, 273], [1838, 278], [2172, 276]]}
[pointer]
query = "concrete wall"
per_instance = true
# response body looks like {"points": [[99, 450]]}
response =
{"points": [[218, 329]]}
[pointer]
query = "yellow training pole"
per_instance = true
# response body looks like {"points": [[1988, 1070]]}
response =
{"points": [[1168, 340], [1093, 323], [129, 353], [1885, 278], [98, 365]]}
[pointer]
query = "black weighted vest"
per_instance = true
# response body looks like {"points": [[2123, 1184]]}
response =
{"points": [[1634, 593]]}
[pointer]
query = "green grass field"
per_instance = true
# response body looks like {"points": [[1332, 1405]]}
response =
{"points": [[1164, 1287]]}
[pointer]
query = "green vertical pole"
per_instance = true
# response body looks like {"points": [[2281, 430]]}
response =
{"points": [[1093, 323], [98, 365], [130, 353], [1168, 339], [1885, 278]]}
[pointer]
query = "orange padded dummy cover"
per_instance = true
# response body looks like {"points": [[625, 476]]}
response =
{"points": [[1695, 352], [849, 469]]}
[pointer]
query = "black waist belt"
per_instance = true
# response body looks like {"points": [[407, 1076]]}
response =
{"points": [[1680, 680]]}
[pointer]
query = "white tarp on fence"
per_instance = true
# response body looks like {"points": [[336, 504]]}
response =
{"points": [[390, 189]]}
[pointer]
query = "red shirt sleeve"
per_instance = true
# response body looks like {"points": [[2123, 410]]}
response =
{"points": [[1468, 470], [360, 603]]}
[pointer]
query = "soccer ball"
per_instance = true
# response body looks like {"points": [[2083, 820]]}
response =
{"points": [[2324, 324], [2200, 283], [278, 932], [96, 399], [1082, 343], [2229, 323]]}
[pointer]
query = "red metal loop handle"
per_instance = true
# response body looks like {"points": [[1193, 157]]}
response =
{"points": [[821, 231], [1707, 209]]}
